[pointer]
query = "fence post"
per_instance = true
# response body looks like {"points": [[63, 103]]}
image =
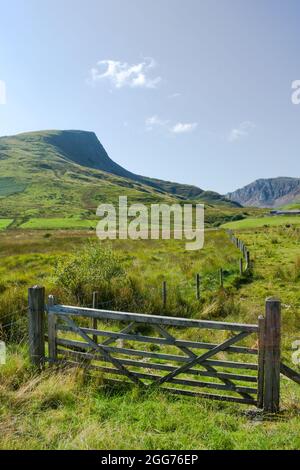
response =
{"points": [[52, 344], [261, 361], [241, 266], [164, 293], [94, 320], [198, 286], [36, 313], [221, 278], [248, 262], [272, 356]]}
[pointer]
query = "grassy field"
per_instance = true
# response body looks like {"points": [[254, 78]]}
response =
{"points": [[290, 207], [64, 410], [4, 223], [58, 224], [28, 257], [272, 221]]}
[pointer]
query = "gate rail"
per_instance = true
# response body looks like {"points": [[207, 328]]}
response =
{"points": [[188, 363]]}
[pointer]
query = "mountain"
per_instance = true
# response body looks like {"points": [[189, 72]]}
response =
{"points": [[69, 172], [273, 192]]}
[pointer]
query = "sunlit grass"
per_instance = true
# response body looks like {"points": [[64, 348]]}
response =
{"points": [[58, 224], [66, 409], [4, 223], [272, 221]]}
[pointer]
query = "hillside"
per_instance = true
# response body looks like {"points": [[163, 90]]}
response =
{"points": [[70, 173], [273, 192]]}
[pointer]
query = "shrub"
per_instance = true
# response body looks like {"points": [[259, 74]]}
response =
{"points": [[94, 267]]}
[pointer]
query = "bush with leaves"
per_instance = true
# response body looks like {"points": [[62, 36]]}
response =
{"points": [[94, 268]]}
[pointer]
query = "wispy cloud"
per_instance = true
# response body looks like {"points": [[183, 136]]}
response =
{"points": [[184, 127], [243, 130], [156, 121], [122, 74], [178, 128], [174, 95]]}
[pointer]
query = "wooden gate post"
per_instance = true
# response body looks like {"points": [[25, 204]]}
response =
{"points": [[36, 313], [272, 356], [52, 343]]}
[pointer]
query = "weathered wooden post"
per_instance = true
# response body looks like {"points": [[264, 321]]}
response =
{"points": [[164, 293], [52, 343], [272, 353], [221, 278], [36, 313], [94, 320], [248, 261], [241, 266], [198, 286]]}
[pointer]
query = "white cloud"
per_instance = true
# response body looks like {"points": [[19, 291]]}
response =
{"points": [[243, 130], [179, 128], [122, 74], [183, 128]]}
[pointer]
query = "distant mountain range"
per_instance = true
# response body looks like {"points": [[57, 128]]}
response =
{"points": [[272, 193], [70, 173]]}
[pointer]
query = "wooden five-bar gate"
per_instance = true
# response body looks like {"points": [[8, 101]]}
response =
{"points": [[87, 337]]}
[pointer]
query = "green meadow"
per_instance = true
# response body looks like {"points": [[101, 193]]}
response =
{"points": [[4, 223], [70, 409], [58, 224], [272, 221]]}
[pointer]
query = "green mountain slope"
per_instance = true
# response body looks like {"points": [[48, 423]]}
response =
{"points": [[69, 173]]}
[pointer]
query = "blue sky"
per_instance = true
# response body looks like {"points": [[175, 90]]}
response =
{"points": [[194, 91]]}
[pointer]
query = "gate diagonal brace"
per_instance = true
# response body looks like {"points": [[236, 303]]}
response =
{"points": [[172, 339], [105, 354], [127, 329], [200, 359]]}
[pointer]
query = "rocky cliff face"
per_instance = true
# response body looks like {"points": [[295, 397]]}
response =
{"points": [[274, 192]]}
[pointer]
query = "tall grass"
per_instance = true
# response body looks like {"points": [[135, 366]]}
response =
{"points": [[63, 409]]}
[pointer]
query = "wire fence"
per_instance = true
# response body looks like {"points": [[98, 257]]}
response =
{"points": [[187, 289]]}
